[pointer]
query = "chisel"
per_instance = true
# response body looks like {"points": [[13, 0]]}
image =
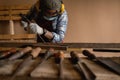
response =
{"points": [[47, 55], [34, 53], [20, 53], [16, 55], [5, 54], [106, 50], [59, 57], [105, 62], [89, 75]]}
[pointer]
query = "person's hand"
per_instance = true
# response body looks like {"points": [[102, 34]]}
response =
{"points": [[35, 28], [24, 24]]}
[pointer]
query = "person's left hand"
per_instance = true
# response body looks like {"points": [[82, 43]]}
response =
{"points": [[35, 28]]}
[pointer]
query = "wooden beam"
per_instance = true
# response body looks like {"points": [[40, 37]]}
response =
{"points": [[8, 17], [14, 12], [43, 46], [15, 7], [18, 41], [69, 45], [17, 36]]}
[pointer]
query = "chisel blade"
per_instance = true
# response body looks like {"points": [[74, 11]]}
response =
{"points": [[105, 61], [110, 64]]}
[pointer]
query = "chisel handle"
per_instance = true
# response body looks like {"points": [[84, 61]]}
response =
{"points": [[89, 54], [20, 53], [59, 57], [27, 49], [74, 57], [35, 52], [12, 50], [4, 54]]}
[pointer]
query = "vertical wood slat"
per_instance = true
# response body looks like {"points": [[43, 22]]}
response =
{"points": [[11, 23]]}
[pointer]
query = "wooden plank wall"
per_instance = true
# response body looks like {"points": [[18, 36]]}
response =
{"points": [[9, 11], [12, 12]]}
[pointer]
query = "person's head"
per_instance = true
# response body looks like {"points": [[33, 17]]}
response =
{"points": [[51, 8]]}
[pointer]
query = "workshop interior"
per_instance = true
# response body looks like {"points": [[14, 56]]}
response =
{"points": [[90, 49]]}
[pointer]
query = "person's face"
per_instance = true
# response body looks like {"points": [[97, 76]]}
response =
{"points": [[51, 13]]}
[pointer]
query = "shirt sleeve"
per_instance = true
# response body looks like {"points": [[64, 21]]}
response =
{"points": [[61, 28]]}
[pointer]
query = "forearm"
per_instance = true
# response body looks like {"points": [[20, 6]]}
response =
{"points": [[53, 36], [58, 37]]}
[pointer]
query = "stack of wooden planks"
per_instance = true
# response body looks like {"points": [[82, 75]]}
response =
{"points": [[9, 11]]}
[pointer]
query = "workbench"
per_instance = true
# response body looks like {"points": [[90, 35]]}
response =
{"points": [[49, 69]]}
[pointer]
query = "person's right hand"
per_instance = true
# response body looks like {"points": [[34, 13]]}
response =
{"points": [[35, 28], [24, 24]]}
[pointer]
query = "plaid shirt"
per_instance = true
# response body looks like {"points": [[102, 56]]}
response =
{"points": [[59, 25]]}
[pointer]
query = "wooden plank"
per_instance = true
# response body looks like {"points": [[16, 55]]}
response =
{"points": [[50, 70], [11, 12], [8, 18], [6, 12], [71, 45], [10, 67], [16, 2], [19, 11], [17, 36], [18, 41], [14, 7], [42, 45], [12, 15], [92, 45]]}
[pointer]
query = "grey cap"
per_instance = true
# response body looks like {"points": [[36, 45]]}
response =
{"points": [[51, 4]]}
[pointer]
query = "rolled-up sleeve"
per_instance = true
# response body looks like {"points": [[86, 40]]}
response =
{"points": [[61, 28]]}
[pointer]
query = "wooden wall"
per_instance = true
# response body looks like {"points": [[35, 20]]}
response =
{"points": [[93, 21]]}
